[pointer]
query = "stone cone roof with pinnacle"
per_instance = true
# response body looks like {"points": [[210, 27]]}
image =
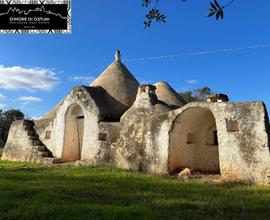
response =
{"points": [[120, 86]]}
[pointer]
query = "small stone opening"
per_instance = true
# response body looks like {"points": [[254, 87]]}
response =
{"points": [[48, 134], [215, 134], [102, 136], [190, 138], [232, 125]]}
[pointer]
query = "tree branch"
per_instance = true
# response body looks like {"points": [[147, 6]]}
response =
{"points": [[157, 1], [227, 5]]}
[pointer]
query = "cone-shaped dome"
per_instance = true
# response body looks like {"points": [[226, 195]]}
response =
{"points": [[120, 85], [168, 95]]}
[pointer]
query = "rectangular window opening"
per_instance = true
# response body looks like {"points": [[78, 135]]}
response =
{"points": [[215, 142], [232, 125], [190, 138], [102, 137], [48, 134]]}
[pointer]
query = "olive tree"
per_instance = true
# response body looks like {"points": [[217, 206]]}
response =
{"points": [[216, 9]]}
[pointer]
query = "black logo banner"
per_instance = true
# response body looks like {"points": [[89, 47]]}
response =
{"points": [[52, 16]]}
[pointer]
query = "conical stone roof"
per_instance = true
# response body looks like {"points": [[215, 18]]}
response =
{"points": [[168, 95], [120, 86]]}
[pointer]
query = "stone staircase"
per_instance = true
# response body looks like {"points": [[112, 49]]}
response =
{"points": [[43, 152]]}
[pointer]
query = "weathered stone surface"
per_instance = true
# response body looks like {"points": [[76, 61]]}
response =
{"points": [[145, 105], [242, 156], [21, 147], [80, 98]]}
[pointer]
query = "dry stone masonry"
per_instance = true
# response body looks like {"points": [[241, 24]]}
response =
{"points": [[148, 128]]}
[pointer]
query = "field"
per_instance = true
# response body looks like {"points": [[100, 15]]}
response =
{"points": [[68, 192]]}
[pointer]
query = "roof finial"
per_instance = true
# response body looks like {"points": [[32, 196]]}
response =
{"points": [[118, 56]]}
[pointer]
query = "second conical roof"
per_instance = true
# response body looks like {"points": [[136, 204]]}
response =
{"points": [[168, 95]]}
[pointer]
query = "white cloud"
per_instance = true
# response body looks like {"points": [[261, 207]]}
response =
{"points": [[84, 79], [17, 77], [192, 81], [29, 99], [3, 106], [2, 96], [145, 81], [36, 117]]}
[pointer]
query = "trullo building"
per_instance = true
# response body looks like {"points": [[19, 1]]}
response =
{"points": [[147, 128]]}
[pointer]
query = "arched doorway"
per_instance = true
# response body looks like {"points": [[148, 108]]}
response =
{"points": [[194, 142], [74, 130]]}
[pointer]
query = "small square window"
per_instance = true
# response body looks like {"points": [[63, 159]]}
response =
{"points": [[190, 138], [232, 125], [102, 137], [48, 134]]}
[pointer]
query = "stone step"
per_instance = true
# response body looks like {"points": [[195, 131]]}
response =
{"points": [[34, 137], [36, 142], [43, 153], [31, 133], [28, 127], [42, 148], [51, 160]]}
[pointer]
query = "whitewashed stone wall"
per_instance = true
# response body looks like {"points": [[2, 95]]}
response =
{"points": [[144, 144]]}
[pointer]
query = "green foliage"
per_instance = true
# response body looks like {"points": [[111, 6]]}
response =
{"points": [[68, 192], [6, 119], [215, 9], [154, 14], [196, 94], [188, 96], [202, 93]]}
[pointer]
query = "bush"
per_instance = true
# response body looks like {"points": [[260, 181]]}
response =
{"points": [[6, 119]]}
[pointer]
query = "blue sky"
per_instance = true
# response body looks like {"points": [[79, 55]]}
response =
{"points": [[61, 62]]}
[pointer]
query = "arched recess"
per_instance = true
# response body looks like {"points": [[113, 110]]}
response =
{"points": [[73, 134], [194, 142]]}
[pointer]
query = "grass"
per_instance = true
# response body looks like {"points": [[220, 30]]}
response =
{"points": [[30, 191]]}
